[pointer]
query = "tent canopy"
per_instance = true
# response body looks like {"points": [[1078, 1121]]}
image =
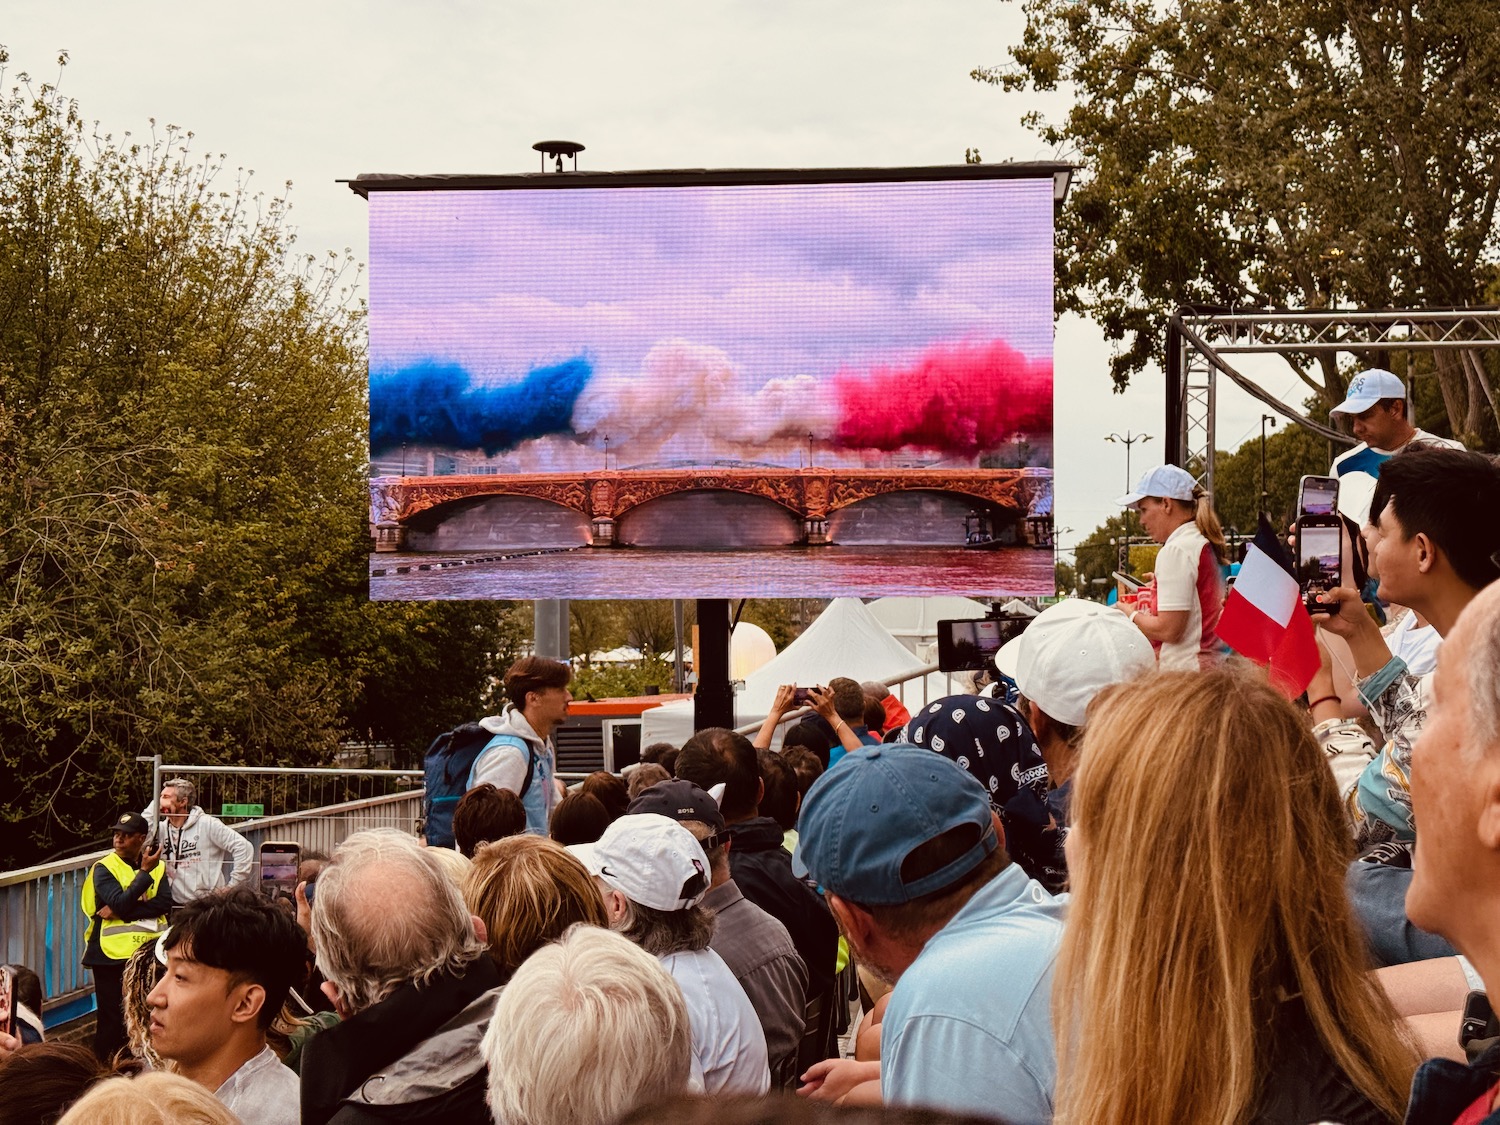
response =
{"points": [[846, 639]]}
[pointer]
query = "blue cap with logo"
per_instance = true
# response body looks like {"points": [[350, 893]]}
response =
{"points": [[1369, 387], [863, 818]]}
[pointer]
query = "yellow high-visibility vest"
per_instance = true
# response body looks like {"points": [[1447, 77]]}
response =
{"points": [[118, 938]]}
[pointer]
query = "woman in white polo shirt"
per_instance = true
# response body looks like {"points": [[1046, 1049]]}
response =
{"points": [[1179, 515]]}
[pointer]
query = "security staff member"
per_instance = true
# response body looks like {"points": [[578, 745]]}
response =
{"points": [[124, 900]]}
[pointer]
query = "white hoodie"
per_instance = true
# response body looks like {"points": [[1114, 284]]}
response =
{"points": [[194, 854]]}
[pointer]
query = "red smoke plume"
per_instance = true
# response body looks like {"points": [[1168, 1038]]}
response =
{"points": [[962, 398]]}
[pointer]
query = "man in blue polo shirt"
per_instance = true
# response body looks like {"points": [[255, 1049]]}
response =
{"points": [[906, 849]]}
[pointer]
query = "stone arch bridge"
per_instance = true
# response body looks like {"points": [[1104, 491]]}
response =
{"points": [[812, 495]]}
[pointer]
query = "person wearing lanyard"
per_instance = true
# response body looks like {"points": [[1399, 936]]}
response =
{"points": [[1189, 583]]}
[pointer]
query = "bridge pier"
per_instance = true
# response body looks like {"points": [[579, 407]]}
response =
{"points": [[604, 532], [815, 532], [389, 536]]}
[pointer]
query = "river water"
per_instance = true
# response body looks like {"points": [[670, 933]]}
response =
{"points": [[638, 572]]}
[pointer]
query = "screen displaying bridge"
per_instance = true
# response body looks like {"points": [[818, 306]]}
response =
{"points": [[781, 375]]}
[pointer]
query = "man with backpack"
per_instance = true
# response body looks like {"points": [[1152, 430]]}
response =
{"points": [[511, 750]]}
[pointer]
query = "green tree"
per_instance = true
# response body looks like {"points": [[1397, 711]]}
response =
{"points": [[1291, 454], [1307, 154], [1066, 577], [1097, 556], [183, 530], [617, 680], [594, 626]]}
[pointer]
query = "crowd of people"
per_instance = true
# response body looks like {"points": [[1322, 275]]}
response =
{"points": [[1144, 886]]}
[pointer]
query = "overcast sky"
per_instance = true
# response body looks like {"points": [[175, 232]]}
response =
{"points": [[313, 92]]}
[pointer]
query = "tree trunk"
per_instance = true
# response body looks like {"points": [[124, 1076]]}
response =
{"points": [[1453, 381], [1481, 393]]}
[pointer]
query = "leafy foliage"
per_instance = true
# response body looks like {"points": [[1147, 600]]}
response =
{"points": [[1291, 454], [183, 536], [606, 681], [1305, 155]]}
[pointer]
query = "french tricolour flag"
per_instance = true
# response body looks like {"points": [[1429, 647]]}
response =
{"points": [[1264, 618]]}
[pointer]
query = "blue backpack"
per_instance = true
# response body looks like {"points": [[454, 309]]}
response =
{"points": [[446, 768]]}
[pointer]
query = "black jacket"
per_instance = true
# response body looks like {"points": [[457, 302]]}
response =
{"points": [[413, 1057], [762, 869]]}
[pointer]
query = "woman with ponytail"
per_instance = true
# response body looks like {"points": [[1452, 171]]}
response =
{"points": [[1183, 623]]}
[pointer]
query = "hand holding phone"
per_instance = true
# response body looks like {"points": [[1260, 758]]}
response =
{"points": [[1320, 543], [279, 861]]}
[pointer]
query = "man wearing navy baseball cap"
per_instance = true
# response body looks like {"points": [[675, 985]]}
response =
{"points": [[906, 849]]}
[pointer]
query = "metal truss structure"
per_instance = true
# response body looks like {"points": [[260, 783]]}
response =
{"points": [[1199, 339]]}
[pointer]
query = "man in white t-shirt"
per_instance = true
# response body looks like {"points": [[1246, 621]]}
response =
{"points": [[231, 958], [1380, 415]]}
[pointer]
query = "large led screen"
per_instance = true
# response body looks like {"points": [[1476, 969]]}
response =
{"points": [[708, 389]]}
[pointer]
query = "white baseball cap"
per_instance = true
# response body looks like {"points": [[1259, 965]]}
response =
{"points": [[650, 859], [1074, 650], [1168, 481], [1369, 387], [1008, 659]]}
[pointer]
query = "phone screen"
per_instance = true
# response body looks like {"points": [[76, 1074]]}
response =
{"points": [[278, 868], [1319, 496], [970, 645], [1319, 561], [7, 1000]]}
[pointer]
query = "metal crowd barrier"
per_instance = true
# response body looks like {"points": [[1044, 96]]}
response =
{"points": [[42, 927]]}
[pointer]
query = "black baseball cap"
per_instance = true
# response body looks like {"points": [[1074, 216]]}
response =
{"points": [[131, 822], [679, 800]]}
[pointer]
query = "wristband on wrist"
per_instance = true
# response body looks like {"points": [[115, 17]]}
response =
{"points": [[1133, 614], [1324, 699]]}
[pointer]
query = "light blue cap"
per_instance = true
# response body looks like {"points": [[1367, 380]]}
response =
{"points": [[1168, 481], [1369, 387]]}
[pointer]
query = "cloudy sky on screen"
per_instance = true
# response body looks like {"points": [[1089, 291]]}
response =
{"points": [[784, 279]]}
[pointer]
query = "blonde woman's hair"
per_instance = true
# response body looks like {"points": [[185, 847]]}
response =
{"points": [[1208, 888], [152, 1098], [528, 890], [1207, 521], [454, 864], [587, 1029]]}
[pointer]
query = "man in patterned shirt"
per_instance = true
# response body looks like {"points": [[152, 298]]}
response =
{"points": [[1435, 543]]}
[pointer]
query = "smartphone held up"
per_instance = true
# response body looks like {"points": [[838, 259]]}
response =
{"points": [[279, 861], [1319, 538]]}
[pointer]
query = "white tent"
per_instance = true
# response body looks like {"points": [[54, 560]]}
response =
{"points": [[845, 640], [913, 621]]}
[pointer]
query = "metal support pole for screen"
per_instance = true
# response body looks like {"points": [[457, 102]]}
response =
{"points": [[550, 627], [713, 705]]}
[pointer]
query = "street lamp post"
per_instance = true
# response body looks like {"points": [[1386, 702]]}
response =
{"points": [[1127, 441], [1264, 495], [1057, 534], [606, 453]]}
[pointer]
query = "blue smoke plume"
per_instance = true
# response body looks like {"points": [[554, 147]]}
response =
{"points": [[432, 403]]}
